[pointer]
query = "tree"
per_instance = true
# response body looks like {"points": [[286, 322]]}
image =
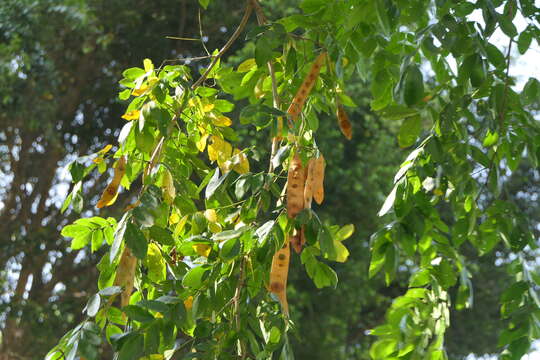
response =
{"points": [[59, 65], [469, 130]]}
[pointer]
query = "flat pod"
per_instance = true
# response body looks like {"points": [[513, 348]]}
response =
{"points": [[296, 179], [318, 184], [302, 94], [298, 240], [125, 275], [308, 187], [279, 273], [344, 122]]}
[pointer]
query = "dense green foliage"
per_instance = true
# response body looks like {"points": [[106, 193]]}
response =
{"points": [[457, 204]]}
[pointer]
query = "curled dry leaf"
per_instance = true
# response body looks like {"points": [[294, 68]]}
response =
{"points": [[111, 191], [302, 94]]}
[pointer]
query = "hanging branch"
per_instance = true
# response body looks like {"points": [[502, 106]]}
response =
{"points": [[232, 39]]}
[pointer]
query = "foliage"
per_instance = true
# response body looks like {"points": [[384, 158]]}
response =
{"points": [[208, 219]]}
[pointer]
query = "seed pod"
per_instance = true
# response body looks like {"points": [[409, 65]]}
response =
{"points": [[279, 273], [125, 275], [111, 191], [318, 182], [344, 122], [298, 240], [308, 187], [299, 99], [295, 187]]}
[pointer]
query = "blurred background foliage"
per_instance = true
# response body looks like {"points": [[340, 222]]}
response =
{"points": [[60, 61]]}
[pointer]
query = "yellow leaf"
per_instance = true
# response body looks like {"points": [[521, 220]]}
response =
{"points": [[241, 162], [148, 65], [214, 227], [111, 191], [105, 149], [221, 120], [98, 160], [153, 356], [188, 303], [219, 150], [169, 191], [202, 249], [207, 107], [247, 65], [210, 215], [201, 143], [140, 90], [341, 252], [174, 218], [157, 268], [180, 226], [131, 115]]}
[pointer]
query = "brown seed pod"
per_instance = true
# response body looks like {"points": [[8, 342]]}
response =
{"points": [[302, 94], [295, 186], [344, 122], [318, 182], [279, 273]]}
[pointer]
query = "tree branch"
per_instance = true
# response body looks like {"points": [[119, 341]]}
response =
{"points": [[232, 39]]}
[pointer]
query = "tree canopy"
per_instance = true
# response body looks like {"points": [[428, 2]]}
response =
{"points": [[273, 159]]}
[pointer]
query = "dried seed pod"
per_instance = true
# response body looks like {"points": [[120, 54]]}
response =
{"points": [[308, 187], [279, 273], [298, 240], [125, 275], [295, 187], [111, 191], [318, 181], [344, 122], [299, 99]]}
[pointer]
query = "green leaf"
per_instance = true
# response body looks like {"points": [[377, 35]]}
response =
{"points": [[413, 85], [229, 234], [157, 267], [204, 3], [531, 92], [136, 241], [345, 232], [196, 276], [524, 41], [264, 231], [111, 290], [161, 235], [97, 240], [137, 313], [92, 307], [230, 249], [132, 348], [495, 56], [490, 139], [409, 131], [507, 26], [382, 349]]}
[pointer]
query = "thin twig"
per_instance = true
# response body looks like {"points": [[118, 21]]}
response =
{"points": [[236, 298], [232, 39], [261, 19]]}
